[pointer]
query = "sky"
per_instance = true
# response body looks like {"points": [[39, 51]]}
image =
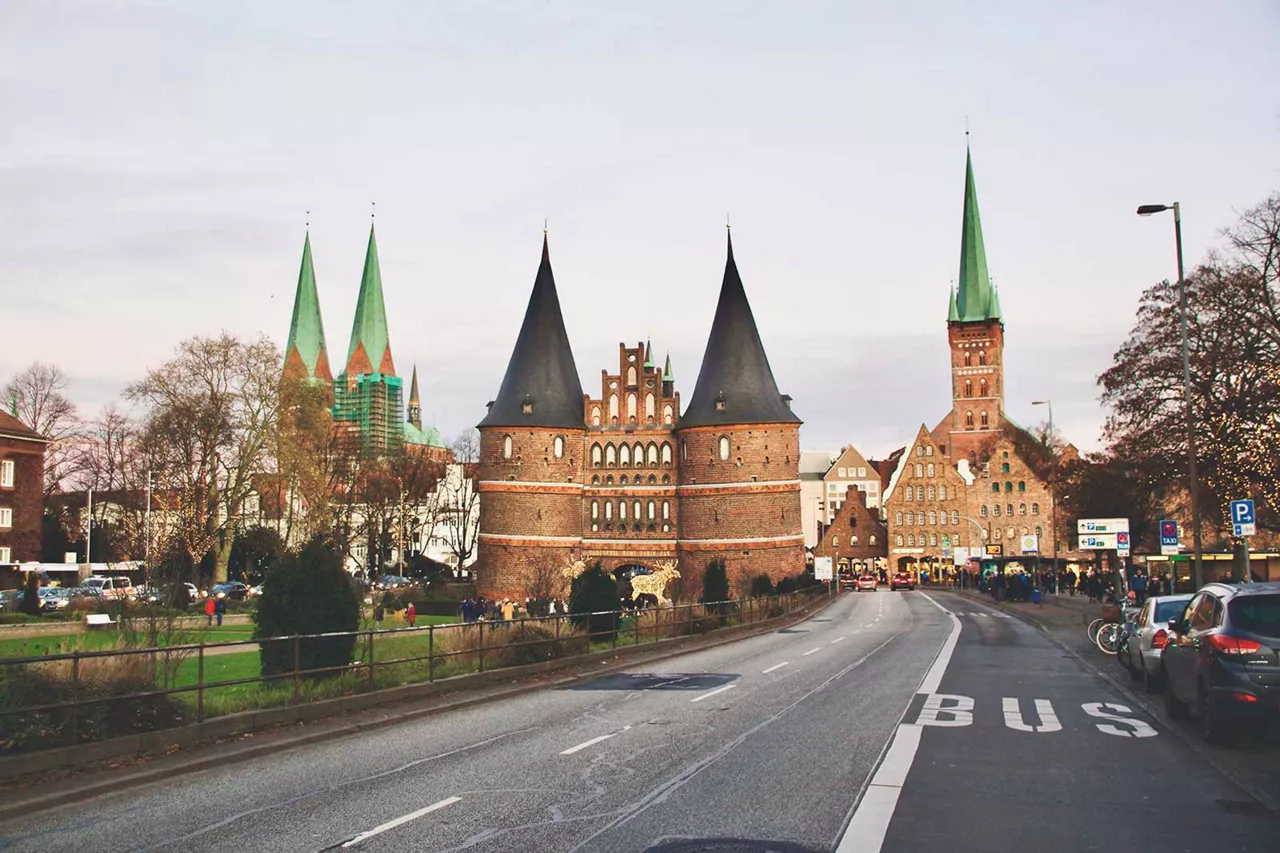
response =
{"points": [[158, 162]]}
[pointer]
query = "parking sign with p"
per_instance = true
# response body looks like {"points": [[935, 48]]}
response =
{"points": [[1243, 522]]}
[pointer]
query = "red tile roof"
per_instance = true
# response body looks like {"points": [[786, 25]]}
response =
{"points": [[14, 428]]}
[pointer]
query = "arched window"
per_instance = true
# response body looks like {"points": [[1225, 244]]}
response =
{"points": [[596, 455], [622, 510], [933, 540], [996, 511], [652, 511], [982, 387], [942, 518], [995, 487], [1011, 533], [930, 493], [557, 446], [1009, 508], [1025, 531], [595, 510], [653, 455], [911, 539], [982, 356], [666, 510], [666, 453], [898, 540], [835, 541], [930, 468], [933, 518], [631, 375], [998, 532], [1022, 485], [631, 408], [942, 493], [637, 454], [623, 479], [955, 516], [608, 480], [595, 479], [1035, 509], [1008, 487], [982, 510], [968, 358], [684, 449], [666, 478], [919, 493], [919, 450], [928, 450], [853, 539], [635, 510], [608, 511], [968, 387], [610, 455], [666, 415], [1022, 509], [897, 519], [624, 455], [871, 540], [1039, 533], [724, 448], [984, 420], [919, 470], [968, 420], [613, 407], [506, 447], [910, 494], [1004, 467], [650, 406], [595, 416]]}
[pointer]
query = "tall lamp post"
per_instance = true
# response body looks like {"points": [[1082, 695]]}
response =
{"points": [[1147, 210], [1053, 497]]}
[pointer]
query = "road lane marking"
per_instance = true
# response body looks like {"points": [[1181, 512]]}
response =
{"points": [[869, 822], [811, 651], [959, 711], [1044, 709], [775, 666], [586, 743], [713, 692], [836, 640], [392, 824], [1100, 709]]}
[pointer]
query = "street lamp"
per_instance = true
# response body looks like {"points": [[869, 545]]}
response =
{"points": [[1147, 210], [1053, 498]]}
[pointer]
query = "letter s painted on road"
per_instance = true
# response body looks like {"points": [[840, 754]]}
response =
{"points": [[959, 711], [1099, 710]]}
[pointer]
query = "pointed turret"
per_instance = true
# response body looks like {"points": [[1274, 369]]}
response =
{"points": [[370, 350], [415, 405], [668, 379], [953, 313], [541, 386], [994, 312], [648, 355], [735, 383], [305, 354], [973, 301]]}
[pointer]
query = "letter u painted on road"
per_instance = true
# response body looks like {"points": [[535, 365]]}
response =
{"points": [[1044, 709], [945, 709], [1136, 728]]}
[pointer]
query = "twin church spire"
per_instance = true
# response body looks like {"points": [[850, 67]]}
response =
{"points": [[974, 299]]}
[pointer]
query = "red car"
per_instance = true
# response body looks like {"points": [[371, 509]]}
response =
{"points": [[901, 580]]}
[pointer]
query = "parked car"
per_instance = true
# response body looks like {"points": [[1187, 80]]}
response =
{"points": [[10, 600], [393, 582], [867, 582], [1148, 634], [847, 580], [1223, 658], [53, 598], [231, 590], [118, 586], [162, 593], [901, 580], [255, 591]]}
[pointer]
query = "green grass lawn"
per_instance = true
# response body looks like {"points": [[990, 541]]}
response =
{"points": [[105, 639]]}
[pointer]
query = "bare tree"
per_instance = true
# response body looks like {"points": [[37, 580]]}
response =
{"points": [[462, 498], [38, 399]]}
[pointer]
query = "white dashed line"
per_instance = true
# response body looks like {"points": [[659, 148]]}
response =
{"points": [[811, 651], [836, 640], [713, 692], [392, 824], [595, 740], [775, 666]]}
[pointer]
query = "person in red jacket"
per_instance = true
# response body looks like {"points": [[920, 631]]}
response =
{"points": [[209, 608], [410, 614]]}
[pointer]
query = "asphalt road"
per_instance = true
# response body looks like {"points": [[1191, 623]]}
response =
{"points": [[787, 736]]}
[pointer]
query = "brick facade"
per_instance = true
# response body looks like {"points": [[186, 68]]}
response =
{"points": [[856, 538], [21, 457]]}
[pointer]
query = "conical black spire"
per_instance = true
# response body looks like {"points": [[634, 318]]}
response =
{"points": [[541, 386], [735, 384]]}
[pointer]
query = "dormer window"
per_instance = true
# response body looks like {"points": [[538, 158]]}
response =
{"points": [[526, 405], [720, 406], [786, 401]]}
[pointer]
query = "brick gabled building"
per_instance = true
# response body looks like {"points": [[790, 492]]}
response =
{"points": [[856, 539], [627, 478], [22, 452]]}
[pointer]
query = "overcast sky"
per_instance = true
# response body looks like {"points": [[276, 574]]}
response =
{"points": [[156, 162]]}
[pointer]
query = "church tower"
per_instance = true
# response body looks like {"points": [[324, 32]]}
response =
{"points": [[306, 356], [368, 396], [975, 332], [531, 448], [415, 405], [739, 455]]}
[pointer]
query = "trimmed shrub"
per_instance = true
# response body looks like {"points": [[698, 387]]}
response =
{"points": [[31, 595], [594, 590], [530, 644], [715, 582], [786, 585], [761, 586], [307, 593]]}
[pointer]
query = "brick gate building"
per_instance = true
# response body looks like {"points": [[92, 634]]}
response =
{"points": [[627, 478]]}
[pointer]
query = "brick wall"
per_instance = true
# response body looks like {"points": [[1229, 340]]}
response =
{"points": [[856, 534], [25, 498], [762, 452]]}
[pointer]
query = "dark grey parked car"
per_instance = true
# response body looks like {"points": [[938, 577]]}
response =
{"points": [[1223, 658]]}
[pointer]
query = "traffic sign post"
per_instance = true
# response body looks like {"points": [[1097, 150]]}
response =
{"points": [[1122, 544], [1169, 538], [1244, 524]]}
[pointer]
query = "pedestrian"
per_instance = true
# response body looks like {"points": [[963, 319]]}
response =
{"points": [[219, 609], [410, 613], [379, 613], [208, 609]]}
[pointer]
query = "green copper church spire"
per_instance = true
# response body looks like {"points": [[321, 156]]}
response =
{"points": [[370, 350], [306, 347], [953, 313], [648, 355], [667, 375], [973, 300]]}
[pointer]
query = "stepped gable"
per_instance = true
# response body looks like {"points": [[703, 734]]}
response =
{"points": [[735, 383], [541, 387]]}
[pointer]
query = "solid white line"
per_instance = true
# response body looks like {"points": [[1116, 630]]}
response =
{"points": [[586, 743], [811, 651], [712, 693], [870, 821], [775, 666], [836, 640], [378, 830]]}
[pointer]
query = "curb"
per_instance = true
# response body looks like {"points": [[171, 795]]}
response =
{"points": [[13, 806], [1142, 702]]}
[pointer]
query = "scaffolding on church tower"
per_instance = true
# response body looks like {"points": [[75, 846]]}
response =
{"points": [[370, 405]]}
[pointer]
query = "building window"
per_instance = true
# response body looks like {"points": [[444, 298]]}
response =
{"points": [[595, 479], [1010, 533], [622, 510], [613, 407], [1022, 485], [898, 540], [623, 479], [6, 517], [666, 415], [982, 387], [637, 453], [724, 448], [595, 416], [610, 455], [1038, 533], [649, 407], [557, 446], [955, 516], [982, 510], [1010, 510], [652, 511], [968, 387], [835, 541], [871, 540], [931, 493], [6, 555], [897, 519], [933, 540], [968, 420], [910, 493], [946, 541], [982, 357], [635, 510], [666, 453], [984, 420], [911, 518], [631, 408], [1035, 509], [6, 473], [933, 518], [631, 375], [930, 468], [506, 447], [968, 358], [596, 455], [995, 510], [608, 511], [942, 493], [919, 493], [608, 481], [1022, 509], [919, 470], [997, 532], [919, 450], [653, 455], [1004, 467], [911, 539], [666, 510], [1008, 486], [595, 510], [842, 472], [995, 487], [853, 539], [928, 450]]}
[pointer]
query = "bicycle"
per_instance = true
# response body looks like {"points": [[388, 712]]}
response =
{"points": [[1111, 634]]}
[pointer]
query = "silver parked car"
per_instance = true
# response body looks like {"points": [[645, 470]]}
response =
{"points": [[1148, 634]]}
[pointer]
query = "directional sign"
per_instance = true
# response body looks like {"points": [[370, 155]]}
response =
{"points": [[1122, 544], [1094, 526], [1169, 537], [1243, 521], [1105, 542]]}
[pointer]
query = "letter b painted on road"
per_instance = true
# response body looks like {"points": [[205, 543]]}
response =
{"points": [[944, 709]]}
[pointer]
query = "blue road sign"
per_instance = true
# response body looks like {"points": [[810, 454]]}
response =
{"points": [[1169, 534], [1242, 519]]}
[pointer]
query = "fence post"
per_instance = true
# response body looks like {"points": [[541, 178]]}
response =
{"points": [[200, 683], [617, 623], [370, 659], [431, 653], [482, 645], [297, 658], [558, 649], [74, 722]]}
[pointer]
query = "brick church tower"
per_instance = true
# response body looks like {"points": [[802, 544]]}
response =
{"points": [[531, 446], [739, 454], [975, 332]]}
